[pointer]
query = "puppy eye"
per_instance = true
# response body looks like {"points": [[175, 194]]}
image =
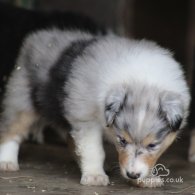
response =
{"points": [[123, 142], [151, 146]]}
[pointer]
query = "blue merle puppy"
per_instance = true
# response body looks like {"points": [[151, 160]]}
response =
{"points": [[131, 91]]}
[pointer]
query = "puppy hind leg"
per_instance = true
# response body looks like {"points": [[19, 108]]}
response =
{"points": [[12, 134], [192, 147], [37, 131], [89, 148]]}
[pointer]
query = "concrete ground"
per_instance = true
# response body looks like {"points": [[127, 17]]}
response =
{"points": [[49, 169]]}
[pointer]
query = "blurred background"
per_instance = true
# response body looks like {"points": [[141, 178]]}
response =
{"points": [[170, 23]]}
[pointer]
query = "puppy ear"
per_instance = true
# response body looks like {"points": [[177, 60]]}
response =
{"points": [[114, 103], [171, 109]]}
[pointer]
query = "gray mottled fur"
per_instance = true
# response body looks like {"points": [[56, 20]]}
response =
{"points": [[124, 84]]}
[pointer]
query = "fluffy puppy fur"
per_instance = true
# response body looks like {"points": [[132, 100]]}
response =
{"points": [[131, 91]]}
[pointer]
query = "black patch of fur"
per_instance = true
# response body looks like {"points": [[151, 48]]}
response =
{"points": [[162, 114], [48, 98], [160, 135], [173, 125]]}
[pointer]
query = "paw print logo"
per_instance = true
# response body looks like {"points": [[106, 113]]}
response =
{"points": [[160, 170]]}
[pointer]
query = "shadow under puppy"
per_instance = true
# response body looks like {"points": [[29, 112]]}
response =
{"points": [[131, 91]]}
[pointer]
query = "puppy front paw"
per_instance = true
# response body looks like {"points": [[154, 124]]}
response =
{"points": [[8, 166], [9, 156], [95, 180], [149, 182]]}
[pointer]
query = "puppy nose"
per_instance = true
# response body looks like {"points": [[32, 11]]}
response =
{"points": [[133, 175]]}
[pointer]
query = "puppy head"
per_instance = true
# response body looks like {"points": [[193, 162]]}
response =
{"points": [[142, 122]]}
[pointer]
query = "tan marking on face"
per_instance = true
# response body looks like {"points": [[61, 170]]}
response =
{"points": [[148, 140], [151, 159], [123, 158], [167, 142], [19, 127], [126, 136]]}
